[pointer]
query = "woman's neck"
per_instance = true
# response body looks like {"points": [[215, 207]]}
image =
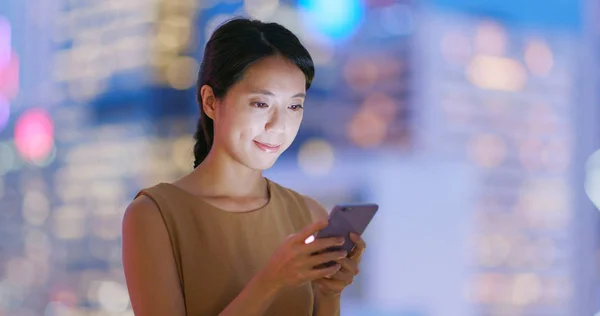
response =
{"points": [[221, 175]]}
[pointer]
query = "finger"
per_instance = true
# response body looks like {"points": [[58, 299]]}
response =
{"points": [[326, 257], [349, 265], [345, 277], [322, 244], [330, 285], [359, 248], [322, 273], [310, 230], [358, 241]]}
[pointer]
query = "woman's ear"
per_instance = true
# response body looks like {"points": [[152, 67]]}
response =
{"points": [[209, 101]]}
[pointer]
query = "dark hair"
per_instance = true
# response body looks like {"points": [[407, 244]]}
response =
{"points": [[232, 48]]}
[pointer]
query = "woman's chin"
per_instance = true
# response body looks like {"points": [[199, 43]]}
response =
{"points": [[262, 163]]}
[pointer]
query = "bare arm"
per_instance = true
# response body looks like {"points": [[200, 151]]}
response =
{"points": [[151, 271], [324, 305]]}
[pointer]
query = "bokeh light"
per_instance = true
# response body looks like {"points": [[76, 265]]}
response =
{"points": [[38, 249], [181, 73], [69, 223], [48, 160], [20, 272], [316, 157], [496, 73], [9, 77], [112, 296], [546, 203], [382, 105], [487, 150], [367, 129], [364, 73], [361, 74], [174, 32], [538, 57], [490, 39], [337, 19], [107, 226], [527, 289], [261, 9], [34, 134], [493, 250], [556, 155], [36, 207], [182, 153], [530, 150]]}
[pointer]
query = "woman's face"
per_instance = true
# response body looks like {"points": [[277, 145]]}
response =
{"points": [[260, 115]]}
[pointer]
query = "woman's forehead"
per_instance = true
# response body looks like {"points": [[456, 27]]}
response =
{"points": [[271, 77]]}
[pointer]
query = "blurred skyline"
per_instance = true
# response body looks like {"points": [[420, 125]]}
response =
{"points": [[474, 124]]}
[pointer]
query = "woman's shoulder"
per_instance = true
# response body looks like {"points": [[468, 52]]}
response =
{"points": [[160, 205], [146, 201], [152, 203], [142, 214], [155, 189], [164, 193]]}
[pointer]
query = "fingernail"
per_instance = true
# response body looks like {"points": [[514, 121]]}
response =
{"points": [[341, 240]]}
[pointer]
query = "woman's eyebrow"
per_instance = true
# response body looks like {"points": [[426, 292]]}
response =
{"points": [[269, 93]]}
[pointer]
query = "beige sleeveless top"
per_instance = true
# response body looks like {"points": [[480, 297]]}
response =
{"points": [[217, 252]]}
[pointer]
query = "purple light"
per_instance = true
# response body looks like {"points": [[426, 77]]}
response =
{"points": [[5, 47], [4, 113], [34, 134]]}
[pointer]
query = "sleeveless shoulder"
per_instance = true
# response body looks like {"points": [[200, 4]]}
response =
{"points": [[166, 205], [156, 193], [165, 201]]}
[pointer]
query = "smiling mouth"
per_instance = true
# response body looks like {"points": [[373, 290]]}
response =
{"points": [[268, 148]]}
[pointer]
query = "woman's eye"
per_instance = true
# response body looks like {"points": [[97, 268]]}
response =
{"points": [[296, 107], [260, 104]]}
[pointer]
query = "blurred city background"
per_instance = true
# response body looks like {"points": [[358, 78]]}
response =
{"points": [[473, 123]]}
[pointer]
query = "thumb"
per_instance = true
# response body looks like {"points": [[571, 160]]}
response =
{"points": [[311, 230]]}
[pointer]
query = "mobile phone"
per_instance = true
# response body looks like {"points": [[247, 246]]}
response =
{"points": [[345, 219]]}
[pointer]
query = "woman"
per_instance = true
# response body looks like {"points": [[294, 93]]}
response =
{"points": [[224, 240]]}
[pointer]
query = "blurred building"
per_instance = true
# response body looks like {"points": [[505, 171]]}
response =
{"points": [[502, 99]]}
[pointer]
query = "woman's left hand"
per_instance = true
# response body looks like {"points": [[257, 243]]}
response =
{"points": [[335, 284]]}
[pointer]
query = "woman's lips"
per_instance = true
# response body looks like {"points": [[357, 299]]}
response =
{"points": [[268, 148]]}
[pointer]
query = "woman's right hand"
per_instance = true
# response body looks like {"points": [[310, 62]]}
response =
{"points": [[294, 262]]}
